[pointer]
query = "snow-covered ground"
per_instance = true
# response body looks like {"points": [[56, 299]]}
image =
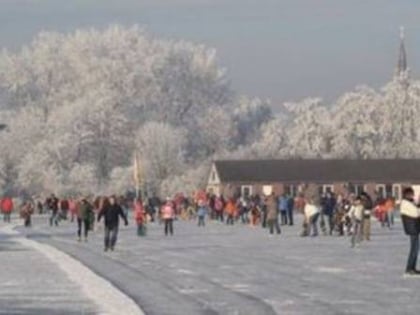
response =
{"points": [[240, 270], [39, 279]]}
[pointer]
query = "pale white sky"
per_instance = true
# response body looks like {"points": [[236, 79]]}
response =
{"points": [[278, 49]]}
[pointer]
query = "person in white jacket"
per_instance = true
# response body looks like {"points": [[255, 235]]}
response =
{"points": [[356, 216], [410, 216], [311, 212]]}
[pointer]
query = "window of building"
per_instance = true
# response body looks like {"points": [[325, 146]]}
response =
{"points": [[246, 191], [384, 190], [267, 190], [325, 189], [396, 191], [356, 189], [389, 191], [291, 190], [381, 190]]}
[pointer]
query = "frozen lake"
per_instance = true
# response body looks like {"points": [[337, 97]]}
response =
{"points": [[241, 270]]}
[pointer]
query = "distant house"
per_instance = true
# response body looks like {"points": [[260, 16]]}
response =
{"points": [[247, 177]]}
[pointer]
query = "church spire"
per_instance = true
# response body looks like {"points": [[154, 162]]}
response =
{"points": [[402, 70], [402, 58]]}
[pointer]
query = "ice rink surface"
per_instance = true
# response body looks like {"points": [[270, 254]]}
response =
{"points": [[242, 270], [30, 284]]}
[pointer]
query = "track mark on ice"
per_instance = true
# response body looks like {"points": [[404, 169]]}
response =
{"points": [[330, 270], [108, 298]]}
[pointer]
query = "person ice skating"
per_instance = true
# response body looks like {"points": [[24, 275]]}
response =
{"points": [[52, 206], [347, 220], [6, 206], [111, 212], [389, 207], [328, 209], [140, 217], [410, 216], [311, 212], [26, 212], [255, 213], [73, 204], [356, 215], [64, 209], [168, 216], [272, 214], [231, 210], [154, 207], [340, 216], [123, 202], [380, 212], [263, 214], [201, 213], [290, 209], [282, 207], [84, 217], [191, 210], [367, 212], [40, 207], [219, 205]]}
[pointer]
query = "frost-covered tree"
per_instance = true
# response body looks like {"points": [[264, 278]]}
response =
{"points": [[249, 115], [371, 124], [186, 183], [161, 150], [78, 105], [309, 132], [400, 128], [79, 99], [215, 131], [273, 142], [356, 125], [121, 180]]}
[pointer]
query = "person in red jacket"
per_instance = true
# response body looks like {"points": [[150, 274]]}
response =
{"points": [[73, 208], [140, 217], [168, 215], [6, 206]]}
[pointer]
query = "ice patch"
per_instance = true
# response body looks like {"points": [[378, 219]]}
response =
{"points": [[238, 287], [351, 302], [331, 270], [193, 291], [185, 271]]}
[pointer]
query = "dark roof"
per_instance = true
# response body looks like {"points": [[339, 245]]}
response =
{"points": [[326, 171]]}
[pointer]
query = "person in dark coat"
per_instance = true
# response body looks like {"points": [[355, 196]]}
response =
{"points": [[155, 204], [410, 216], [329, 207], [272, 214], [84, 218], [52, 205], [26, 212], [64, 208], [111, 211], [290, 208]]}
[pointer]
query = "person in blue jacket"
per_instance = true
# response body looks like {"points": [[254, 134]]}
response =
{"points": [[201, 214], [282, 206]]}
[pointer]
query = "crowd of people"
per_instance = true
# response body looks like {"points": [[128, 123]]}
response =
{"points": [[339, 215]]}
